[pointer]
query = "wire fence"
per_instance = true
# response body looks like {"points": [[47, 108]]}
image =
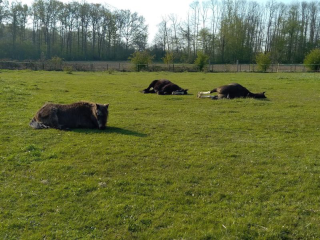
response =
{"points": [[125, 66], [255, 68]]}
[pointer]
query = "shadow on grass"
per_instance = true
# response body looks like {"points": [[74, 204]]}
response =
{"points": [[235, 99], [263, 99], [109, 130], [124, 131], [188, 94]]}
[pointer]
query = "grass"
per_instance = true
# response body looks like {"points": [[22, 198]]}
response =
{"points": [[167, 167]]}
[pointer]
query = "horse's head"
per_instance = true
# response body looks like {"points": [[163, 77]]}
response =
{"points": [[260, 95]]}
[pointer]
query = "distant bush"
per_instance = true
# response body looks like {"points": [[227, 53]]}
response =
{"points": [[312, 60], [68, 69], [111, 70], [201, 60], [141, 60], [56, 63], [263, 61], [168, 58]]}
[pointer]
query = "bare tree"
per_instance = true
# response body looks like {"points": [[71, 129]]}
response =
{"points": [[4, 5], [195, 20], [175, 25], [18, 17], [134, 30]]}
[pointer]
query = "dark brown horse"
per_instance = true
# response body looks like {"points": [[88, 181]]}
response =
{"points": [[164, 87], [235, 90], [75, 115]]}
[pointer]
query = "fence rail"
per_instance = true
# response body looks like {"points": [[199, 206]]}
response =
{"points": [[126, 66], [254, 68]]}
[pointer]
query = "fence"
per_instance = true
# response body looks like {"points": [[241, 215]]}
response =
{"points": [[126, 66], [254, 68]]}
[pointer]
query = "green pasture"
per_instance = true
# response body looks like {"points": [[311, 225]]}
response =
{"points": [[166, 167]]}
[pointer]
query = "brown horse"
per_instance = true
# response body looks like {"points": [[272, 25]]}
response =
{"points": [[75, 115]]}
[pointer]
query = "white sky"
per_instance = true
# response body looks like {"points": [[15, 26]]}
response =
{"points": [[154, 10]]}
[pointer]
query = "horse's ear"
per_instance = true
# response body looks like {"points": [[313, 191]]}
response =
{"points": [[102, 105]]}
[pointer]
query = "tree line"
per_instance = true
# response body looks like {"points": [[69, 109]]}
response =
{"points": [[236, 30], [226, 31], [72, 31]]}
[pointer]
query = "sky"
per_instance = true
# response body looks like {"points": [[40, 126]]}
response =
{"points": [[155, 10]]}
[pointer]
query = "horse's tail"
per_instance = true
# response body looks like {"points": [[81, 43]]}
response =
{"points": [[37, 125]]}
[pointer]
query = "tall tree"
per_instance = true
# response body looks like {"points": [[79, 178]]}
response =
{"points": [[18, 17], [3, 13], [134, 31]]}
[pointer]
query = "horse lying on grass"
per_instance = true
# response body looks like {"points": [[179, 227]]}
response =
{"points": [[230, 91], [75, 115], [164, 87]]}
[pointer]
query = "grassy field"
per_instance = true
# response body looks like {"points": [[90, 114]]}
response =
{"points": [[167, 167]]}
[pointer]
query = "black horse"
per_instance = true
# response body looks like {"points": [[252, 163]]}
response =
{"points": [[235, 90], [164, 87]]}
